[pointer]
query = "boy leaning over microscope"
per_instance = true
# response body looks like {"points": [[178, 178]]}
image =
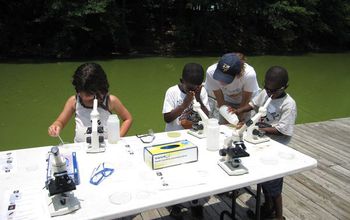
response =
{"points": [[278, 125], [178, 114]]}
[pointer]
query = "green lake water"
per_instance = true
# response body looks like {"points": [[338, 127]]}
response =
{"points": [[33, 93]]}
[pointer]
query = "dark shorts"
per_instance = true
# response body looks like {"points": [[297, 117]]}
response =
{"points": [[272, 188]]}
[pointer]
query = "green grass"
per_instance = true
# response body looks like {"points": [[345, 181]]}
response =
{"points": [[33, 94]]}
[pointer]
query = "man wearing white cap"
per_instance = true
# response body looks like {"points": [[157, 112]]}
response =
{"points": [[231, 82]]}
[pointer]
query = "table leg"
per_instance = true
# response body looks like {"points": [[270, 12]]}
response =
{"points": [[257, 197], [257, 205], [232, 215]]}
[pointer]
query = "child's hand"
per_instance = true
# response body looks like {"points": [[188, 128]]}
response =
{"points": [[186, 124], [263, 125], [231, 110], [234, 110], [188, 99], [239, 124], [54, 130], [198, 93]]}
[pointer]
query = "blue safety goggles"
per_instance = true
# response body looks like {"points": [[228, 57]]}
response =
{"points": [[100, 173]]}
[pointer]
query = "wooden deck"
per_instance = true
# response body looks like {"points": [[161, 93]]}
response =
{"points": [[321, 193]]}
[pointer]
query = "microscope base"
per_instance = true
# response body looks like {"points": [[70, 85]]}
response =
{"points": [[232, 168], [56, 208], [100, 149], [256, 139], [199, 133]]}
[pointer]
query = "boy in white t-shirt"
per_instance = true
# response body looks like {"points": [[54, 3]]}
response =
{"points": [[178, 114], [278, 124], [177, 107]]}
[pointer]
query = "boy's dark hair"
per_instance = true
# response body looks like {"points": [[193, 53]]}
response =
{"points": [[193, 73], [90, 77], [278, 75]]}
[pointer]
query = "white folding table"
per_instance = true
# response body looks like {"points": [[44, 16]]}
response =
{"points": [[134, 187]]}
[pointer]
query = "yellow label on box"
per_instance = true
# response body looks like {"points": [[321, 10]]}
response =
{"points": [[170, 154]]}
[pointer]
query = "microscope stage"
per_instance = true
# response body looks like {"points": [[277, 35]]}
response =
{"points": [[232, 168], [197, 133], [256, 140], [100, 149]]}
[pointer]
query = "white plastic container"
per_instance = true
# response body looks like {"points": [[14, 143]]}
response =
{"points": [[231, 118], [213, 134], [113, 129]]}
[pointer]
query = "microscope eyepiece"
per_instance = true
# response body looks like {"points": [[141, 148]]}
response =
{"points": [[55, 150]]}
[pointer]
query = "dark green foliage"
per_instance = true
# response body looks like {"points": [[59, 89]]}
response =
{"points": [[90, 28]]}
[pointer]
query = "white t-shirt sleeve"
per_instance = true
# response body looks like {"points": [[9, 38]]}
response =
{"points": [[169, 101], [288, 116], [250, 80], [258, 100], [204, 98], [210, 83]]}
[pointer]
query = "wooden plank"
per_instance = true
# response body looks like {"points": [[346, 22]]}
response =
{"points": [[335, 182], [342, 171], [298, 203], [346, 166], [326, 139], [338, 130], [164, 213], [319, 195], [150, 214], [288, 214], [310, 152], [297, 207], [326, 150], [334, 131], [132, 217], [321, 152]]}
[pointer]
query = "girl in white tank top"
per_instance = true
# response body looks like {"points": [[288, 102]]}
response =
{"points": [[90, 80], [82, 118]]}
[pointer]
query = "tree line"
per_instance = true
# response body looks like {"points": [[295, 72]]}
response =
{"points": [[90, 28]]}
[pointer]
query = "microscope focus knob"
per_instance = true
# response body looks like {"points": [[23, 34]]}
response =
{"points": [[258, 133], [222, 152], [89, 130], [101, 139], [100, 129]]}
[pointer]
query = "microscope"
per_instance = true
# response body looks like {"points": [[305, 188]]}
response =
{"points": [[253, 135], [95, 140], [199, 121], [234, 147], [61, 199]]}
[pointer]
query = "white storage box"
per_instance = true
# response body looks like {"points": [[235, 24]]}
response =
{"points": [[170, 154]]}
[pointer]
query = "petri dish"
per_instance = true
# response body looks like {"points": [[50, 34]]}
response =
{"points": [[173, 134], [120, 198]]}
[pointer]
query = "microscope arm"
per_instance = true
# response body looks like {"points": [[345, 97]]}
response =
{"points": [[234, 147], [95, 139], [199, 127], [94, 125], [59, 181], [261, 113], [197, 108], [238, 135]]}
